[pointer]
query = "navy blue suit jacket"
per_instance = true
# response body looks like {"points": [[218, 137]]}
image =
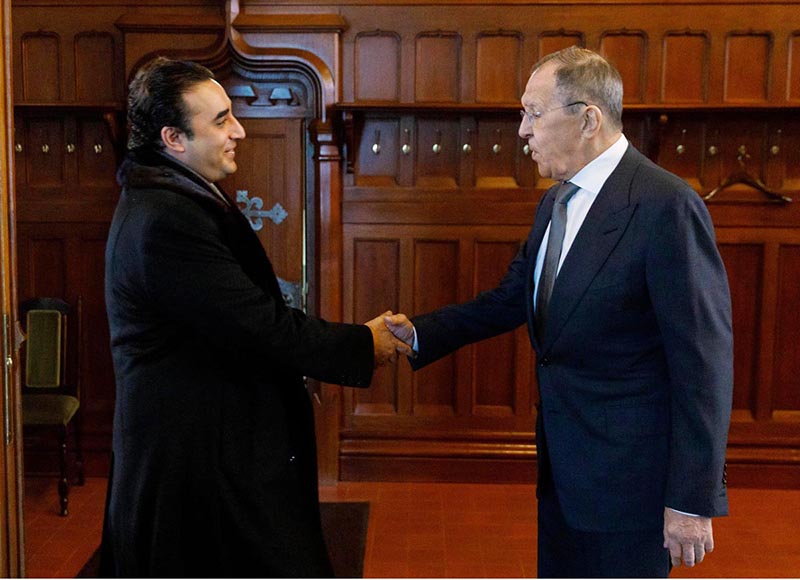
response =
{"points": [[635, 369]]}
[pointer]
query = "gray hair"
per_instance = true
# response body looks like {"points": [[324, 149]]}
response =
{"points": [[584, 75]]}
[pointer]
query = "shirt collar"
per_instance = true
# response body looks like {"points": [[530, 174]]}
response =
{"points": [[594, 175]]}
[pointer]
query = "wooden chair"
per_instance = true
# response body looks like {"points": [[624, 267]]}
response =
{"points": [[51, 397]]}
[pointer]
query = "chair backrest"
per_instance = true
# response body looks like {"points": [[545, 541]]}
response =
{"points": [[45, 324]]}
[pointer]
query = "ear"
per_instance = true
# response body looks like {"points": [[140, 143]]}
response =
{"points": [[592, 120], [173, 139]]}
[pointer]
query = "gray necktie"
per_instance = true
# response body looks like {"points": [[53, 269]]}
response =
{"points": [[547, 277]]}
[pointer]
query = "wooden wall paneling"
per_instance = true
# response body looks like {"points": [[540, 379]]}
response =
{"points": [[98, 386], [496, 155], [45, 172], [469, 149], [437, 276], [786, 389], [377, 66], [784, 164], [628, 50], [268, 185], [684, 67], [379, 151], [437, 152], [41, 66], [95, 60], [375, 270], [741, 142], [553, 40], [744, 263], [682, 148], [495, 383], [793, 68], [96, 159], [748, 60], [498, 73], [437, 70], [43, 262]]}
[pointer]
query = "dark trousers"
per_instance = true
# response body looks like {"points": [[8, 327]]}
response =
{"points": [[565, 552]]}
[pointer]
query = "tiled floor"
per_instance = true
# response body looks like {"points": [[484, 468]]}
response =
{"points": [[444, 530]]}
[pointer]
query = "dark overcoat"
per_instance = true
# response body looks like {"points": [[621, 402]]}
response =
{"points": [[635, 368], [214, 463]]}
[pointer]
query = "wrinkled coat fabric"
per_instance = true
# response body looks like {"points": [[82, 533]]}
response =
{"points": [[214, 462]]}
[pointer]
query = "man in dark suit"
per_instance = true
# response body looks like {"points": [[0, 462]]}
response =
{"points": [[214, 467], [627, 304]]}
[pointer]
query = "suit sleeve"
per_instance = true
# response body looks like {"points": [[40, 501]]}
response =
{"points": [[194, 281], [491, 313], [689, 289]]}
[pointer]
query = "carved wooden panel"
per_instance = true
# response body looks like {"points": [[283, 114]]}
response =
{"points": [[41, 66], [628, 51], [44, 172], [43, 264], [377, 66], [682, 149], [378, 152], [496, 156], [494, 367], [744, 264], [376, 284], [436, 281], [437, 152], [498, 67], [684, 67], [439, 83], [97, 162], [94, 67], [554, 40], [793, 69], [268, 186], [786, 391], [747, 67]]}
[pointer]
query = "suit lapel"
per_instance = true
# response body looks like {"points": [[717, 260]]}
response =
{"points": [[599, 234]]}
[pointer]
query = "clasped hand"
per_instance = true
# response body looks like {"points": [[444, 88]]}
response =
{"points": [[387, 343], [688, 538]]}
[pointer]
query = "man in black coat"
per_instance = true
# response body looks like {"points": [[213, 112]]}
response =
{"points": [[214, 463], [632, 337]]}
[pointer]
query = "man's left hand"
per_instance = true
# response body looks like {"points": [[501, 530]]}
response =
{"points": [[688, 538]]}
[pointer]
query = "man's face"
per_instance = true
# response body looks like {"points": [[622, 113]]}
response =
{"points": [[553, 132], [211, 149]]}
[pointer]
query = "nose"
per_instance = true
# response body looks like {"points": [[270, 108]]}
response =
{"points": [[238, 131], [525, 128]]}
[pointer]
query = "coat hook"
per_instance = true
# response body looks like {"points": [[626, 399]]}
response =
{"points": [[376, 146], [98, 149], [776, 148], [467, 146], [681, 148], [406, 148], [70, 148], [18, 147], [497, 147], [437, 148], [45, 148], [526, 149]]}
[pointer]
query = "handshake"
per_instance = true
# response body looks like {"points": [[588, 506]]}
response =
{"points": [[391, 333]]}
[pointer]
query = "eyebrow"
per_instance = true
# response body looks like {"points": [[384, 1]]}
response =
{"points": [[222, 114]]}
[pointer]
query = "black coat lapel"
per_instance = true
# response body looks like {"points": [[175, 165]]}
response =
{"points": [[601, 231]]}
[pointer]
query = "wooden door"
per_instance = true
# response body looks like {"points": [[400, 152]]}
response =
{"points": [[268, 186], [11, 560]]}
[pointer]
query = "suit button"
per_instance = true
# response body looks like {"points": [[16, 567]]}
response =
{"points": [[292, 459], [544, 362]]}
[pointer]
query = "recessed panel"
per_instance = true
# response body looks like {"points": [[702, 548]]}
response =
{"points": [[496, 156], [494, 361], [437, 67], [747, 62], [94, 67], [743, 263], [437, 152], [497, 70], [684, 76], [378, 150], [553, 41], [377, 64], [793, 70], [45, 155], [786, 392], [96, 159], [628, 52], [436, 279], [41, 67], [376, 283]]}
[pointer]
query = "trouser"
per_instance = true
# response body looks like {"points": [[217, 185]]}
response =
{"points": [[565, 552]]}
